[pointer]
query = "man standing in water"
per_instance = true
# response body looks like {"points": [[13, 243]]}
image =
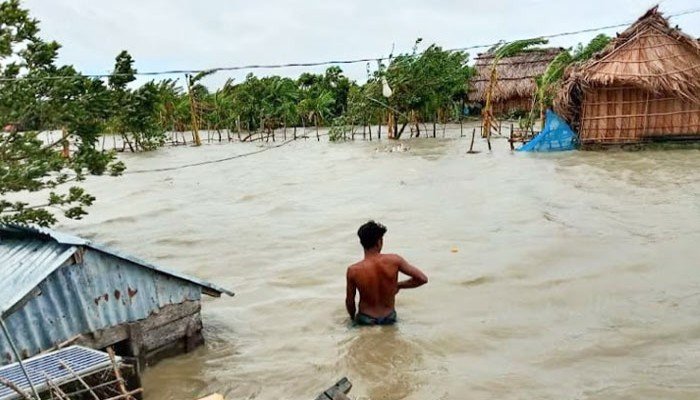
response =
{"points": [[376, 277]]}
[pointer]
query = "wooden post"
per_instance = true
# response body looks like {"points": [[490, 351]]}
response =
{"points": [[471, 146], [391, 126], [512, 146], [369, 127], [379, 129]]}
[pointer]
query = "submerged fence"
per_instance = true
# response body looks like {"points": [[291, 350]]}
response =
{"points": [[466, 129]]}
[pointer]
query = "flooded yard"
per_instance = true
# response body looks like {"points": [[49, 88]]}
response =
{"points": [[556, 276]]}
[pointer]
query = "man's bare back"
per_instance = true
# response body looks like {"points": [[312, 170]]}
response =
{"points": [[376, 277]]}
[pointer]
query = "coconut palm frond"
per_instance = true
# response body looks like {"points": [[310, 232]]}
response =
{"points": [[555, 69], [512, 48], [201, 75], [597, 44]]}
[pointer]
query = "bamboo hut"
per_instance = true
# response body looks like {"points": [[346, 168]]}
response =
{"points": [[643, 87], [515, 86]]}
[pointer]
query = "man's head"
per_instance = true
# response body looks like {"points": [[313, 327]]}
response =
{"points": [[371, 235]]}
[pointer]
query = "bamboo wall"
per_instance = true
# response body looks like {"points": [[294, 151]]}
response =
{"points": [[628, 115], [512, 104]]}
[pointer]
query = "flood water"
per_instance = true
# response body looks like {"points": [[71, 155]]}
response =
{"points": [[556, 276]]}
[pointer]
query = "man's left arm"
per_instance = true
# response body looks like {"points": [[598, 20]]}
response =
{"points": [[350, 295]]}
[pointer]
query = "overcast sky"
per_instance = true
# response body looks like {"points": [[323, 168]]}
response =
{"points": [[194, 34]]}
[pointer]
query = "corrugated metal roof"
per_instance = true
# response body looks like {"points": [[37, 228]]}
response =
{"points": [[30, 255], [25, 263]]}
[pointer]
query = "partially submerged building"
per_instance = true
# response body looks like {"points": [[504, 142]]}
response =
{"points": [[643, 87], [57, 289], [515, 85]]}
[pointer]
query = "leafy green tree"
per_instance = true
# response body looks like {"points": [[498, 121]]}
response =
{"points": [[135, 113], [37, 95], [427, 83]]}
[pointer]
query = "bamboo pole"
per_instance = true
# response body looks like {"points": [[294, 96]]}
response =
{"points": [[15, 388], [193, 111], [117, 373], [17, 356], [127, 395], [76, 376]]}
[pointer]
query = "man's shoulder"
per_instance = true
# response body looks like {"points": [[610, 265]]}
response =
{"points": [[393, 258], [352, 268]]}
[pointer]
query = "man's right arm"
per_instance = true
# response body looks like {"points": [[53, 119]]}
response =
{"points": [[417, 277]]}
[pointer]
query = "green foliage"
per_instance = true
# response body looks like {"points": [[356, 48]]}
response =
{"points": [[424, 84], [550, 81], [513, 48], [583, 53], [339, 129], [41, 95], [135, 113]]}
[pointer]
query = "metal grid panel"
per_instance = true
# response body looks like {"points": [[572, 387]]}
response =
{"points": [[82, 360]]}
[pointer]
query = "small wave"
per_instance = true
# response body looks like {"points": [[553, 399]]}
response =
{"points": [[482, 280]]}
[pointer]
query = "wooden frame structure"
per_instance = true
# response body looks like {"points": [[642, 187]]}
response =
{"points": [[643, 87]]}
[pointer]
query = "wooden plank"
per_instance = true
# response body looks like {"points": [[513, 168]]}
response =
{"points": [[171, 332], [337, 391], [169, 313], [214, 396]]}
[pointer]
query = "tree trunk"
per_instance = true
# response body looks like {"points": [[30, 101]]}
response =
{"points": [[65, 152], [193, 115], [398, 135], [318, 138]]}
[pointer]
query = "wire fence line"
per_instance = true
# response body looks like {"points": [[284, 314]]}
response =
{"points": [[331, 62]]}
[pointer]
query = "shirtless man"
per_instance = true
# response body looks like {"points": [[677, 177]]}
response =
{"points": [[377, 279]]}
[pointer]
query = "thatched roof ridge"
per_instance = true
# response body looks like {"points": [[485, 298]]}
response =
{"points": [[516, 75], [649, 55]]}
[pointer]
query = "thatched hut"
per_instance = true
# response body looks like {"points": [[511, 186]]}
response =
{"points": [[644, 86], [516, 76]]}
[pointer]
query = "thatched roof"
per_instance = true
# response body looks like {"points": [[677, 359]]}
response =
{"points": [[516, 75], [649, 55]]}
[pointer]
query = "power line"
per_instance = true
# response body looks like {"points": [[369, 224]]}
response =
{"points": [[323, 63]]}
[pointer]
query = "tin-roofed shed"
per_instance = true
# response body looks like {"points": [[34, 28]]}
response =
{"points": [[57, 288]]}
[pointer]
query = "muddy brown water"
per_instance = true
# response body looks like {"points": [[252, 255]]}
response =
{"points": [[575, 275]]}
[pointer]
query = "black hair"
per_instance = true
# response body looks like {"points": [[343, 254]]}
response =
{"points": [[370, 233]]}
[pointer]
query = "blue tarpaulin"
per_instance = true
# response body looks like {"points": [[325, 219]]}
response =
{"points": [[556, 136]]}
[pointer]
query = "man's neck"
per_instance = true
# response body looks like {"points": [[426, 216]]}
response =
{"points": [[371, 253]]}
